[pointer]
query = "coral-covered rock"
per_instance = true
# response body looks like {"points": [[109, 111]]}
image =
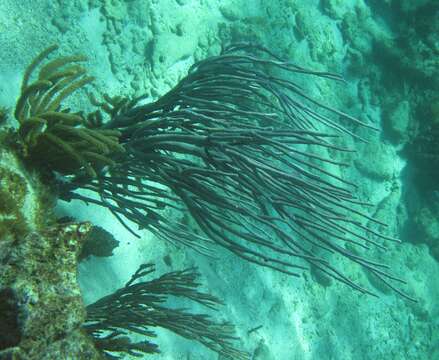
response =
{"points": [[41, 309]]}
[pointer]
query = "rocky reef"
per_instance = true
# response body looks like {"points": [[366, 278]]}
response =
{"points": [[41, 308]]}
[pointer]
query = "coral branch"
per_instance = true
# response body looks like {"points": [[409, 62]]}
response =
{"points": [[139, 306]]}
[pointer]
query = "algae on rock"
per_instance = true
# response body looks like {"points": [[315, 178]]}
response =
{"points": [[41, 309]]}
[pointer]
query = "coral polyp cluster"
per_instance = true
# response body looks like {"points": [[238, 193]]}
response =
{"points": [[61, 140]]}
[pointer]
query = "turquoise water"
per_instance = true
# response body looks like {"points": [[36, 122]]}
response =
{"points": [[387, 55]]}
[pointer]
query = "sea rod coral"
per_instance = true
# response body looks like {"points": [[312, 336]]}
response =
{"points": [[142, 305], [236, 145]]}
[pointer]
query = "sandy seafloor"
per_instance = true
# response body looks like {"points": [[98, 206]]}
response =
{"points": [[146, 46]]}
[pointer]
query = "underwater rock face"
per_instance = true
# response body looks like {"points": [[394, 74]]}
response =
{"points": [[397, 120], [41, 309], [427, 225], [378, 161]]}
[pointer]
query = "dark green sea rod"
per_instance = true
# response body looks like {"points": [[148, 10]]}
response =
{"points": [[142, 305], [226, 145], [234, 145]]}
